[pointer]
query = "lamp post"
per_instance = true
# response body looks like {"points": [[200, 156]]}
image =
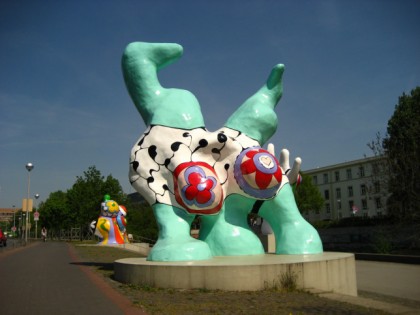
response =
{"points": [[29, 168], [23, 221], [36, 218], [20, 226], [14, 221]]}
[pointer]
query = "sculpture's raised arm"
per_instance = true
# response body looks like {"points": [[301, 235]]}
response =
{"points": [[256, 116], [157, 105]]}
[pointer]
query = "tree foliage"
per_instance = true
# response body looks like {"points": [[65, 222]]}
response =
{"points": [[87, 193], [81, 204], [307, 195], [402, 149], [380, 170], [142, 222], [55, 211]]}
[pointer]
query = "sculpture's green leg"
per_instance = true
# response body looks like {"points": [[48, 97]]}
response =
{"points": [[174, 242], [294, 235], [228, 234]]}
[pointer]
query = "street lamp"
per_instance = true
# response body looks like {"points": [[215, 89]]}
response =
{"points": [[14, 221], [29, 168], [36, 218]]}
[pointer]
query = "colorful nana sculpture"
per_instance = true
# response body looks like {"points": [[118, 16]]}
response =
{"points": [[110, 227], [184, 170]]}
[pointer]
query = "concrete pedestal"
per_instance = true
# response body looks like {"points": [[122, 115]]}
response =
{"points": [[329, 271]]}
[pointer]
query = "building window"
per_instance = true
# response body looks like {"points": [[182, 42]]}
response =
{"points": [[351, 204], [337, 176], [363, 189], [378, 203], [350, 191], [338, 193], [362, 171], [348, 171], [315, 180], [327, 194], [339, 205], [327, 208], [375, 168], [377, 187], [364, 204], [325, 178]]}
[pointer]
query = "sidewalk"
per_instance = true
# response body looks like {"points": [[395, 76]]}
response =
{"points": [[389, 278], [45, 278], [385, 286]]}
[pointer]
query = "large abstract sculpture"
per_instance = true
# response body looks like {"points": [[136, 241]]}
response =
{"points": [[183, 170], [111, 224]]}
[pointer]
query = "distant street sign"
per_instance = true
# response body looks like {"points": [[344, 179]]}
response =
{"points": [[14, 228], [27, 205], [36, 216]]}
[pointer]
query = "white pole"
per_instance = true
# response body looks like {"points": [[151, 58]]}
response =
{"points": [[29, 167]]}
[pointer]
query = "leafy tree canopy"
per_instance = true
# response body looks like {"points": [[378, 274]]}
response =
{"points": [[55, 211], [402, 149], [142, 222], [81, 204], [307, 195], [87, 193]]}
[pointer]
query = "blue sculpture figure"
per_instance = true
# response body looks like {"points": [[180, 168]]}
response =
{"points": [[183, 170]]}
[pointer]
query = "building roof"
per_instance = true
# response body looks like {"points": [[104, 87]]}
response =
{"points": [[7, 213], [343, 164]]}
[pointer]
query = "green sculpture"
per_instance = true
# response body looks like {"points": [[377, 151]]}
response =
{"points": [[183, 170]]}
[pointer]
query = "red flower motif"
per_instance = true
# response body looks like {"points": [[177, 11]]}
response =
{"points": [[199, 188], [263, 166]]}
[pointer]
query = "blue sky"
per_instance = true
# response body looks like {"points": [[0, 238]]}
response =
{"points": [[64, 106]]}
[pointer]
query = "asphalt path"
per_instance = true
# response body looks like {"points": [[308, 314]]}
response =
{"points": [[46, 278], [398, 280]]}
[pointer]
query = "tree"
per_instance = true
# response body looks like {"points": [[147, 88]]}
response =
{"points": [[87, 193], [377, 184], [142, 222], [55, 213], [307, 195], [81, 204], [402, 148]]}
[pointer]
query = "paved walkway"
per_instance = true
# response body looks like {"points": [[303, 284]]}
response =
{"points": [[399, 280], [44, 278], [390, 287]]}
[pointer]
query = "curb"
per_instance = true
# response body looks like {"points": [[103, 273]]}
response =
{"points": [[369, 303], [401, 259]]}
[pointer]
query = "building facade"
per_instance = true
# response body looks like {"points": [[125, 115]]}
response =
{"points": [[355, 188], [8, 218], [7, 214]]}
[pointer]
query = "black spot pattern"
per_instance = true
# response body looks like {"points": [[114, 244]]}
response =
{"points": [[152, 152], [175, 146], [135, 165], [221, 137], [157, 148]]}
